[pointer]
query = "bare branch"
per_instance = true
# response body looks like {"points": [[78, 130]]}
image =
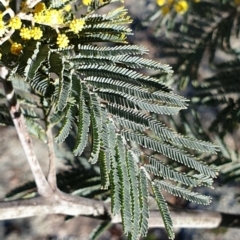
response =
{"points": [[19, 122], [61, 203], [57, 203], [186, 219], [52, 160]]}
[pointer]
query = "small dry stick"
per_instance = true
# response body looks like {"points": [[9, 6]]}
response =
{"points": [[52, 160], [42, 185]]}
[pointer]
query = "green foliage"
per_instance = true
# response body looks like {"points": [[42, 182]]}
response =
{"points": [[204, 45], [143, 200], [5, 118], [96, 94], [97, 231], [164, 211]]}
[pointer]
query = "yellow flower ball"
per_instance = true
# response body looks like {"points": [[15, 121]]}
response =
{"points": [[36, 33], [62, 40], [25, 33], [68, 8], [86, 2], [76, 25], [39, 18], [39, 7], [160, 2], [165, 9], [15, 23], [53, 17], [16, 48], [181, 7]]}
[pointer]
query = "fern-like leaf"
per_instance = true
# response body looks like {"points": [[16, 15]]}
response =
{"points": [[103, 169], [95, 51], [27, 59], [40, 83], [183, 192], [170, 152], [125, 197], [96, 233], [158, 168], [134, 194], [136, 120], [67, 124], [136, 91], [115, 187], [143, 200], [96, 123], [83, 119], [5, 118], [123, 74], [162, 205], [57, 67]]}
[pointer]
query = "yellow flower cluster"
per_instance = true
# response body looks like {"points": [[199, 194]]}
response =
{"points": [[86, 2], [47, 16], [25, 33], [16, 48], [163, 2], [39, 7], [36, 33], [42, 16], [76, 25], [180, 6], [28, 33], [62, 40], [15, 23], [67, 8]]}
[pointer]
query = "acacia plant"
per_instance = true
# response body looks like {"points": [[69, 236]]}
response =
{"points": [[203, 39], [93, 93]]}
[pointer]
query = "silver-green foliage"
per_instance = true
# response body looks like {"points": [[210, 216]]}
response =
{"points": [[98, 93]]}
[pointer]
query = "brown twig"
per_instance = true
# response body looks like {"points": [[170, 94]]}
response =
{"points": [[57, 203], [183, 218], [42, 185], [51, 177]]}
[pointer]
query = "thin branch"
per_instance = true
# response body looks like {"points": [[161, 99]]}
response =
{"points": [[61, 203], [42, 185], [57, 203], [193, 219], [183, 219], [51, 177]]}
